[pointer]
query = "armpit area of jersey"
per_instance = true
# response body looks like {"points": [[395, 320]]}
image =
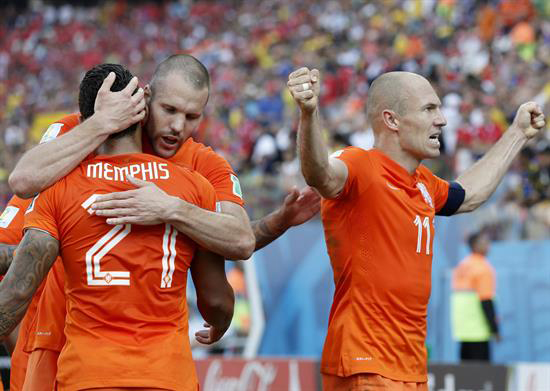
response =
{"points": [[454, 200]]}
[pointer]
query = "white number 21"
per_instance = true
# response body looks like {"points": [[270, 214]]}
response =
{"points": [[421, 224], [97, 276]]}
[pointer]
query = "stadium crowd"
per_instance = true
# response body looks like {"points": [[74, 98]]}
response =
{"points": [[483, 57]]}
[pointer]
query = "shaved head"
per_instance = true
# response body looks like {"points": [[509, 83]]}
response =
{"points": [[186, 66], [391, 91]]}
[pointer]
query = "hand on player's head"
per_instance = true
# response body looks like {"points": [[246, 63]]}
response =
{"points": [[530, 119], [119, 109], [304, 85]]}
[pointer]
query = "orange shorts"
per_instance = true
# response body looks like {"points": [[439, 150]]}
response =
{"points": [[369, 382], [41, 370]]}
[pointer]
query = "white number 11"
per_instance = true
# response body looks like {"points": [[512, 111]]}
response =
{"points": [[423, 224]]}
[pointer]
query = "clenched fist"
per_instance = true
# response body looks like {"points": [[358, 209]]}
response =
{"points": [[529, 119], [304, 85]]}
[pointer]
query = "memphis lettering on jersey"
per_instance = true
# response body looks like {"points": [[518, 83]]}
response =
{"points": [[143, 171]]}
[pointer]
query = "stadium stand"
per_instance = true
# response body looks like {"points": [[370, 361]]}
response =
{"points": [[484, 57]]}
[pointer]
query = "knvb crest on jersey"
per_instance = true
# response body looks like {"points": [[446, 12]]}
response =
{"points": [[425, 194]]}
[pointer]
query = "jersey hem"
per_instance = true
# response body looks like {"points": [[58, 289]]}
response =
{"points": [[124, 383], [339, 371]]}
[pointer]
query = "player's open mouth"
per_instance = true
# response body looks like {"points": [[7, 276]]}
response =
{"points": [[434, 139], [169, 142]]}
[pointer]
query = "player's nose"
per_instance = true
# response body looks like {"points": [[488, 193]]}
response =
{"points": [[440, 119], [177, 125]]}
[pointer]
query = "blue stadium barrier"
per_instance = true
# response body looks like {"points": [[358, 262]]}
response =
{"points": [[296, 282]]}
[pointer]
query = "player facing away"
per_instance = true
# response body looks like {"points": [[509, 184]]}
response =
{"points": [[176, 99], [125, 285], [378, 213]]}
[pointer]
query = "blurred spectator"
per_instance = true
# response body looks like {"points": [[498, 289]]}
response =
{"points": [[484, 57], [473, 316]]}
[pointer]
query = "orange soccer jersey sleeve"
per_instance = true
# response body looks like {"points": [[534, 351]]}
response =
{"points": [[357, 165], [213, 167], [439, 190], [60, 127], [41, 213], [11, 220]]}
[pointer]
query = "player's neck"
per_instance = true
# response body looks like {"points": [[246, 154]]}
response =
{"points": [[393, 151], [122, 146]]}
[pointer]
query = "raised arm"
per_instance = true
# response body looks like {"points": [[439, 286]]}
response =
{"points": [[46, 163], [325, 174], [481, 180], [35, 256], [215, 297], [226, 232]]}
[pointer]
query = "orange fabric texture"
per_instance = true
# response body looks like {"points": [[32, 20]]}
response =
{"points": [[42, 368], [368, 382], [20, 356], [11, 222], [126, 325], [475, 273], [191, 154], [209, 164], [11, 231], [51, 317], [379, 233]]}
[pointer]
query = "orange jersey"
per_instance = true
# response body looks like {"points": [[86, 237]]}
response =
{"points": [[126, 325], [191, 154], [11, 232], [51, 317], [379, 233], [11, 221], [11, 228]]}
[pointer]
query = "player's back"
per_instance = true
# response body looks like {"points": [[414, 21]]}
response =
{"points": [[126, 314]]}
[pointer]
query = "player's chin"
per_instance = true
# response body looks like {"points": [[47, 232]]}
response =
{"points": [[432, 152], [165, 153]]}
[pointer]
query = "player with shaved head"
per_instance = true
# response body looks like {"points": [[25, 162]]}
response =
{"points": [[378, 212]]}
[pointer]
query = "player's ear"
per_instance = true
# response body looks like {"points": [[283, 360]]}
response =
{"points": [[390, 120], [147, 93]]}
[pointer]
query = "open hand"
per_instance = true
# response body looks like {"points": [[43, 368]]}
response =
{"points": [[117, 110], [146, 205], [300, 206]]}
